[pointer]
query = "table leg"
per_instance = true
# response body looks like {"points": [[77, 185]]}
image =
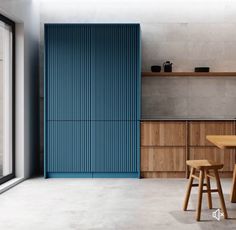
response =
{"points": [[233, 191]]}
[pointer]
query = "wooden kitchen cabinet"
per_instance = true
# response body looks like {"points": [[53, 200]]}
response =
{"points": [[201, 148], [166, 145], [225, 156], [162, 159], [198, 130], [163, 148], [163, 133]]}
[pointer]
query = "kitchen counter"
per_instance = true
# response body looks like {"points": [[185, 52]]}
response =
{"points": [[167, 142], [187, 119]]}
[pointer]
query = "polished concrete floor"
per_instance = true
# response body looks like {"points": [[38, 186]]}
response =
{"points": [[66, 204]]}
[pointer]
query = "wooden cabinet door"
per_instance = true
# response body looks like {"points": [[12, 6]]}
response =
{"points": [[163, 133], [162, 159], [198, 130], [227, 156]]}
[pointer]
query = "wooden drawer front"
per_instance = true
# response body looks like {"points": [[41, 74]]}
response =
{"points": [[199, 130], [227, 156], [163, 133], [162, 159]]}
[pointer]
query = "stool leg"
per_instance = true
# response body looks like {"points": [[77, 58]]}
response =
{"points": [[190, 182], [222, 201], [200, 188], [233, 190], [208, 185]]}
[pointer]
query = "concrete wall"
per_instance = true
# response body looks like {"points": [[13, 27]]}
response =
{"points": [[188, 33], [26, 15], [198, 97]]}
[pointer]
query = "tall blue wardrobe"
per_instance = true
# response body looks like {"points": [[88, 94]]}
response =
{"points": [[92, 100]]}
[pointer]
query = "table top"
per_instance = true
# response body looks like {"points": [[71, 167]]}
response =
{"points": [[223, 141]]}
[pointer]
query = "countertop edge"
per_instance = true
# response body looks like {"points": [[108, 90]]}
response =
{"points": [[187, 119]]}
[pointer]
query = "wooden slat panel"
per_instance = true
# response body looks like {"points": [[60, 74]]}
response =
{"points": [[163, 159], [198, 130], [227, 157], [157, 133]]}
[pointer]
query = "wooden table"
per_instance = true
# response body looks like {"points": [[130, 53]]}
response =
{"points": [[223, 142]]}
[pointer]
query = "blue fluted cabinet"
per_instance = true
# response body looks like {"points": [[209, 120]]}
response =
{"points": [[92, 100]]}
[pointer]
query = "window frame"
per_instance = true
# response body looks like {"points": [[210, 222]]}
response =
{"points": [[11, 23]]}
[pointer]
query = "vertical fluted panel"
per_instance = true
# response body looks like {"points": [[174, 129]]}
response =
{"points": [[92, 98], [117, 72], [69, 72], [117, 76], [116, 146], [69, 146]]}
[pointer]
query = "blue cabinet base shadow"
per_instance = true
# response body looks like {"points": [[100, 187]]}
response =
{"points": [[92, 175]]}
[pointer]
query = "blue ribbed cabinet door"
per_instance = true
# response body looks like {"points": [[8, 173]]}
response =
{"points": [[68, 76], [117, 98], [116, 146], [68, 71], [69, 147], [117, 72]]}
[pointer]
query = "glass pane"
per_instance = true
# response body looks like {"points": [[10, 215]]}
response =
{"points": [[5, 100]]}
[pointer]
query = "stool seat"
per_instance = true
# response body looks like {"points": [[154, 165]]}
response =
{"points": [[204, 164]]}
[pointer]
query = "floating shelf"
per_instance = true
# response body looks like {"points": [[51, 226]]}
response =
{"points": [[189, 74]]}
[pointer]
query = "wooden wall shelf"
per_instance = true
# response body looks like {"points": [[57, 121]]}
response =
{"points": [[189, 74]]}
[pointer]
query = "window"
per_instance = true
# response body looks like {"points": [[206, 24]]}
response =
{"points": [[6, 99]]}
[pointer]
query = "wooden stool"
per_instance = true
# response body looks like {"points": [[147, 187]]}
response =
{"points": [[204, 166]]}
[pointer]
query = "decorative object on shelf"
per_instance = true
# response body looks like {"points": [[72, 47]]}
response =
{"points": [[167, 66], [202, 69], [156, 68]]}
